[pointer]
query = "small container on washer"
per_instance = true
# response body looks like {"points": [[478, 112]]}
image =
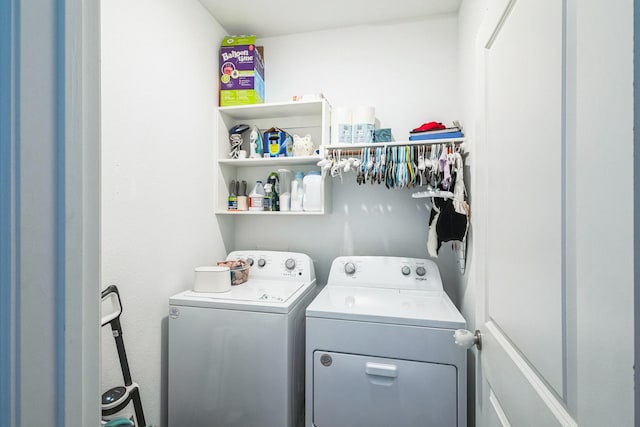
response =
{"points": [[239, 270], [239, 274]]}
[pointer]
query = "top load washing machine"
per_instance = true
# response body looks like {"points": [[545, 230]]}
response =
{"points": [[380, 350], [236, 358]]}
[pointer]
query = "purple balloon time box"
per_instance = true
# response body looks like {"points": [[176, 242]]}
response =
{"points": [[241, 71]]}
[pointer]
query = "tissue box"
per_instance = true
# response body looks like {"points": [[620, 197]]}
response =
{"points": [[382, 135], [241, 71]]}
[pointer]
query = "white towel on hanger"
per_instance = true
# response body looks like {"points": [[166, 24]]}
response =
{"points": [[459, 192], [432, 237]]}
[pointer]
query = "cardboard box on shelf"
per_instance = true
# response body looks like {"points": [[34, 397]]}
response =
{"points": [[241, 71]]}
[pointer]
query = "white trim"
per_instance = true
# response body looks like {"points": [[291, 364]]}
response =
{"points": [[501, 21], [538, 385], [82, 337], [497, 409]]}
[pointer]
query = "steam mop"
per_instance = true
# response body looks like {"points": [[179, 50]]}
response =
{"points": [[116, 398]]}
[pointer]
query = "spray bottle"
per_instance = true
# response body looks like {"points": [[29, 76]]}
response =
{"points": [[275, 188]]}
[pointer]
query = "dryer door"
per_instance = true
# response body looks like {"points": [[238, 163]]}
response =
{"points": [[355, 390]]}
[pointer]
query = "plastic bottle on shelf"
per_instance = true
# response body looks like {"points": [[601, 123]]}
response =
{"points": [[256, 197], [232, 201], [274, 180], [243, 199], [285, 189], [297, 192], [312, 197], [268, 201]]}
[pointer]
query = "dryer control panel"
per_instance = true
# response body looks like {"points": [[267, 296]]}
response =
{"points": [[385, 272]]}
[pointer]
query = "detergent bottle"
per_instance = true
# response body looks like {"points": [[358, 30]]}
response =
{"points": [[256, 197], [312, 198]]}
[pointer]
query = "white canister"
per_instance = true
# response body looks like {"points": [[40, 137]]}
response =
{"points": [[363, 121], [212, 279], [340, 125], [312, 198]]}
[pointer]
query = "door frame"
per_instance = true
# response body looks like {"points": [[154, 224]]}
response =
{"points": [[50, 49], [83, 285], [636, 197]]}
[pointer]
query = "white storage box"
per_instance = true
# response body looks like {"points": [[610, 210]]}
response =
{"points": [[212, 279]]}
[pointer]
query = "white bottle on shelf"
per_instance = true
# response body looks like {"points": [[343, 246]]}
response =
{"points": [[256, 197], [312, 198], [297, 192], [285, 189], [268, 201]]}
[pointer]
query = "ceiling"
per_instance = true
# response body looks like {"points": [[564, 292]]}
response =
{"points": [[279, 17]]}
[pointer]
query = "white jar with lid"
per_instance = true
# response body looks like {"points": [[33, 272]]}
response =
{"points": [[312, 198]]}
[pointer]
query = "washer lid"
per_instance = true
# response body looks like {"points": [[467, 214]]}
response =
{"points": [[253, 295], [395, 306]]}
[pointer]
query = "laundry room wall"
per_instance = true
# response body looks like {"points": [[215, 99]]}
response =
{"points": [[408, 72], [470, 17], [159, 62]]}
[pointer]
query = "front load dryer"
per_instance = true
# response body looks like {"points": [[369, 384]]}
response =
{"points": [[380, 350], [236, 358]]}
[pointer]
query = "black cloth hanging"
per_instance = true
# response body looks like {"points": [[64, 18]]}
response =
{"points": [[450, 225]]}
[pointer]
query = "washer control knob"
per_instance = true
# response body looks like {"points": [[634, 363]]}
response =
{"points": [[406, 270], [250, 262], [262, 262], [290, 264], [349, 268], [420, 271]]}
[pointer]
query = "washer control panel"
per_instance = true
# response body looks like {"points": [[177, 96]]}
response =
{"points": [[385, 272], [271, 265]]}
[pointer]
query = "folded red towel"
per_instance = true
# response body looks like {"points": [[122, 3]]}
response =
{"points": [[429, 126]]}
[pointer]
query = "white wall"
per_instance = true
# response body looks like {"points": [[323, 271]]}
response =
{"points": [[408, 72], [469, 20], [159, 74]]}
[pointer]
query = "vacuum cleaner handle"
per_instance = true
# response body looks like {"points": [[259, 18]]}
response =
{"points": [[112, 293], [113, 319], [131, 390]]}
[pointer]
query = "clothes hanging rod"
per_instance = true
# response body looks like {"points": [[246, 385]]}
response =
{"points": [[395, 143]]}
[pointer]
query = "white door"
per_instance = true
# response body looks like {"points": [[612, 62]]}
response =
{"points": [[556, 282]]}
